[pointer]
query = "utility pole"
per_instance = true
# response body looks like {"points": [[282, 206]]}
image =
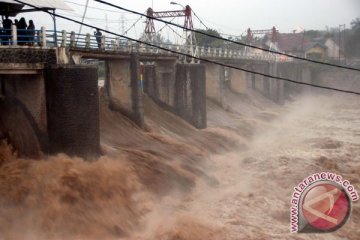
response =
{"points": [[340, 42], [302, 44], [122, 24], [106, 22]]}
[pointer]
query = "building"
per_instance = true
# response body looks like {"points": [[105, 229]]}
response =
{"points": [[292, 43], [316, 50]]}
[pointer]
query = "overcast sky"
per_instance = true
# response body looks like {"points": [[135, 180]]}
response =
{"points": [[227, 16]]}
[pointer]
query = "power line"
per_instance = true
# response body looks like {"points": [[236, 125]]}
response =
{"points": [[98, 19], [82, 19], [103, 9], [190, 56], [229, 40]]}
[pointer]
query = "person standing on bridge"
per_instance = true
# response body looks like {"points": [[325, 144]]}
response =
{"points": [[31, 33], [98, 36], [7, 30], [21, 31]]}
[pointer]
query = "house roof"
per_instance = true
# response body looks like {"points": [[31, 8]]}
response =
{"points": [[291, 42]]}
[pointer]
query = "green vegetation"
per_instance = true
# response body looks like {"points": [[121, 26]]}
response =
{"points": [[352, 44], [203, 40]]}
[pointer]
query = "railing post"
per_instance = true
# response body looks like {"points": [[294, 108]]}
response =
{"points": [[63, 38], [13, 35], [209, 52], [117, 43], [129, 46], [220, 52], [87, 40], [103, 38], [43, 37], [72, 39]]}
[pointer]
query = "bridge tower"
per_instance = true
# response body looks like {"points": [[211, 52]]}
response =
{"points": [[189, 36], [272, 32], [150, 32]]}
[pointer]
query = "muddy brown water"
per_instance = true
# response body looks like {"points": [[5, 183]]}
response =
{"points": [[233, 180]]}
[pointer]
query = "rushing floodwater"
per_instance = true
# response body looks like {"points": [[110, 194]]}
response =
{"points": [[252, 199], [232, 181]]}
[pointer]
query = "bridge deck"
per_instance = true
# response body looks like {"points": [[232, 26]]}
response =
{"points": [[114, 47]]}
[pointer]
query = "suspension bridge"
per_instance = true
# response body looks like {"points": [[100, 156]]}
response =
{"points": [[148, 44]]}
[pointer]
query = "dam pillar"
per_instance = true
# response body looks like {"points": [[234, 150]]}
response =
{"points": [[165, 81], [178, 88], [150, 83], [160, 81], [123, 88], [215, 82], [72, 102], [266, 81], [238, 81], [273, 87], [190, 94]]}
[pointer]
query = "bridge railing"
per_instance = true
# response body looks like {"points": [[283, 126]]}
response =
{"points": [[50, 38], [23, 37]]}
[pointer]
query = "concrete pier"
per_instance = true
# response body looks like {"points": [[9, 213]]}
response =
{"points": [[122, 84], [72, 102], [180, 89]]}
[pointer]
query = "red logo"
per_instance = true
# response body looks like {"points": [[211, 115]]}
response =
{"points": [[325, 207]]}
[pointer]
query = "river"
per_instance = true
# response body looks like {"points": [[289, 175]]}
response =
{"points": [[233, 180]]}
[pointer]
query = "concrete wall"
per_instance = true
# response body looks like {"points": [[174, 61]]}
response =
{"points": [[27, 55], [122, 84], [19, 128], [215, 82], [271, 88], [160, 81], [73, 110], [29, 91], [277, 91], [239, 81], [337, 78], [319, 75], [165, 81]]}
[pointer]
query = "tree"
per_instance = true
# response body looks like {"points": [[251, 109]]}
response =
{"points": [[352, 47], [203, 40]]}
